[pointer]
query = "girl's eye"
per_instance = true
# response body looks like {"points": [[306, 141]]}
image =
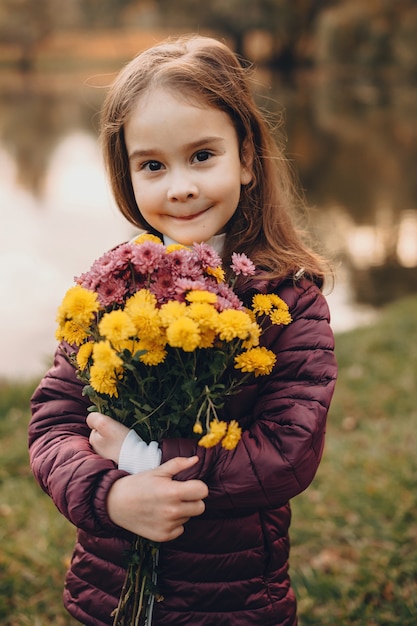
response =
{"points": [[152, 166], [202, 155]]}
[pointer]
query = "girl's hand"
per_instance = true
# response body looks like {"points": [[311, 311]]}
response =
{"points": [[155, 506], [107, 435]]}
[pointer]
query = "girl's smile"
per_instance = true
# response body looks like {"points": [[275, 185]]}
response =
{"points": [[188, 217], [185, 166]]}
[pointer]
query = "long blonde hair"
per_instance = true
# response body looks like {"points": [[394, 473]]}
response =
{"points": [[207, 71]]}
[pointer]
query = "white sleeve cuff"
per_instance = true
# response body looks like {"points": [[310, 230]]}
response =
{"points": [[137, 456]]}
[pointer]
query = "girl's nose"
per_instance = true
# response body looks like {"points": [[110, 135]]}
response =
{"points": [[181, 189]]}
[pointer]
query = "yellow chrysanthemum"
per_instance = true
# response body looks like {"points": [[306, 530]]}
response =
{"points": [[280, 316], [174, 246], [103, 380], [201, 295], [59, 332], [278, 302], [215, 435], [217, 273], [204, 314], [84, 354], [116, 326], [147, 237], [126, 344], [251, 314], [252, 341], [146, 319], [197, 428], [258, 360], [232, 324], [105, 357], [79, 304], [171, 311], [157, 341], [153, 357], [233, 435], [72, 333], [183, 333], [140, 298], [207, 338], [261, 304]]}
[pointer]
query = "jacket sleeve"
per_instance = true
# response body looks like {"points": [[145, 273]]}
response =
{"points": [[281, 448], [61, 457]]}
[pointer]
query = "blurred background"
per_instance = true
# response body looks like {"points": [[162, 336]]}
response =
{"points": [[341, 74]]}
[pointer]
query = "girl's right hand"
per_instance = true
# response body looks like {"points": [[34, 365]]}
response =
{"points": [[107, 435], [155, 506]]}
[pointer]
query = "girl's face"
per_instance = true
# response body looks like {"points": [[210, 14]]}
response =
{"points": [[185, 166]]}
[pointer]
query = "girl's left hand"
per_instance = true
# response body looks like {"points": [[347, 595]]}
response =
{"points": [[107, 435]]}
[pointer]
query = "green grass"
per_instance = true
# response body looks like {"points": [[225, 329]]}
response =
{"points": [[354, 531], [36, 541]]}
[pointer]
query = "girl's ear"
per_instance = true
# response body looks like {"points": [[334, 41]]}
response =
{"points": [[246, 160]]}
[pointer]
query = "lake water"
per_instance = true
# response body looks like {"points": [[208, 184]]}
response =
{"points": [[354, 144]]}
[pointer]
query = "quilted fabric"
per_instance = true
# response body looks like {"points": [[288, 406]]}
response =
{"points": [[231, 564]]}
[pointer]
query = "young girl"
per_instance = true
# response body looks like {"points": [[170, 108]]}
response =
{"points": [[191, 159]]}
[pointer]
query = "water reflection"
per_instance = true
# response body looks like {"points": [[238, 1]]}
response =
{"points": [[354, 139], [44, 242], [407, 237], [354, 145]]}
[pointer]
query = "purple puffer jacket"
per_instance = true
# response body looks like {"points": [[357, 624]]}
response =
{"points": [[230, 567]]}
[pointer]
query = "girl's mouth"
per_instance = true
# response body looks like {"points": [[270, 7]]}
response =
{"points": [[187, 218]]}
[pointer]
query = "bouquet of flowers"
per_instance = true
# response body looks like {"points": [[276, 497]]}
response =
{"points": [[157, 334]]}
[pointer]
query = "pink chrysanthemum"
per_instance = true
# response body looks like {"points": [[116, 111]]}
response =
{"points": [[163, 287], [223, 304], [227, 298], [104, 267], [134, 282], [89, 280], [147, 257], [184, 285], [182, 262], [106, 263], [112, 291], [206, 255], [123, 256], [241, 264]]}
